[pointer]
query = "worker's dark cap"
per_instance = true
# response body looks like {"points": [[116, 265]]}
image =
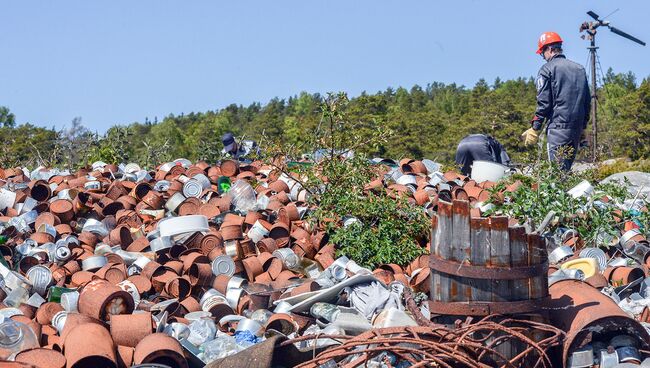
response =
{"points": [[228, 141]]}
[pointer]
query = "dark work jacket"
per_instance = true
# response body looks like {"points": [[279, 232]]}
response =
{"points": [[479, 147], [563, 99]]}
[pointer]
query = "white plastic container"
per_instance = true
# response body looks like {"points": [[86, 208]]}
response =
{"points": [[583, 189], [183, 224], [486, 170]]}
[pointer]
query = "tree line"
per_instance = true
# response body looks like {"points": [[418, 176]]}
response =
{"points": [[425, 122]]}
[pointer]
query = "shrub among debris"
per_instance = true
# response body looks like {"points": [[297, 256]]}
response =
{"points": [[387, 228], [384, 229], [546, 189]]}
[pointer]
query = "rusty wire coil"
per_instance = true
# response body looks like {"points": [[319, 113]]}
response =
{"points": [[473, 345]]}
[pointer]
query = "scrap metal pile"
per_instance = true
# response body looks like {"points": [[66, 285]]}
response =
{"points": [[192, 264], [441, 346]]}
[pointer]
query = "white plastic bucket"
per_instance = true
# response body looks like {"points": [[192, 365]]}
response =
{"points": [[486, 170], [583, 189]]}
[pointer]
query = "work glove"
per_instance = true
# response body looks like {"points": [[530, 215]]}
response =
{"points": [[536, 123], [530, 137]]}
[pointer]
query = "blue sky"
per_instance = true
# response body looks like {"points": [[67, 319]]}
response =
{"points": [[116, 62]]}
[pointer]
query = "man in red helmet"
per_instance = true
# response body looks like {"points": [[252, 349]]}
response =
{"points": [[563, 101]]}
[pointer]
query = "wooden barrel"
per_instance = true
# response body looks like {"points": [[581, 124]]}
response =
{"points": [[482, 266]]}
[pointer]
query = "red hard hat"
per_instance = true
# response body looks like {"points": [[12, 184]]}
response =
{"points": [[546, 39]]}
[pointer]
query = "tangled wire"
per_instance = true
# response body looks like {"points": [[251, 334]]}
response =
{"points": [[473, 345]]}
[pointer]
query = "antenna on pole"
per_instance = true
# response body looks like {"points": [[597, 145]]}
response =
{"points": [[590, 29]]}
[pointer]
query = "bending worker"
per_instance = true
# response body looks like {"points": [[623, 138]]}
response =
{"points": [[238, 151], [563, 101], [479, 147]]}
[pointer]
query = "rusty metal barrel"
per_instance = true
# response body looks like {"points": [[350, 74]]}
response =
{"points": [[589, 316], [482, 266]]}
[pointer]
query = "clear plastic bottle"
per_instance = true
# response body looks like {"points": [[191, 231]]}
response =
{"points": [[222, 346], [330, 329], [260, 315], [325, 311], [202, 331], [243, 196], [294, 262], [14, 338], [16, 297]]}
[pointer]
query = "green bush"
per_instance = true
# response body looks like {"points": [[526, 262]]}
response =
{"points": [[545, 190], [388, 230]]}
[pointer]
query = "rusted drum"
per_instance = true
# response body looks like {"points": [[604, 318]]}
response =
{"points": [[589, 316]]}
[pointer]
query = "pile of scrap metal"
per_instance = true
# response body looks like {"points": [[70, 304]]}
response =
{"points": [[117, 266], [601, 298], [192, 264], [464, 345]]}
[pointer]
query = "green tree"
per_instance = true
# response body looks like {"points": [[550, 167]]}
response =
{"points": [[615, 115], [634, 132], [427, 122], [7, 119]]}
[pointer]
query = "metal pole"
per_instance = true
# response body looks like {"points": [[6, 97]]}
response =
{"points": [[594, 102]]}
